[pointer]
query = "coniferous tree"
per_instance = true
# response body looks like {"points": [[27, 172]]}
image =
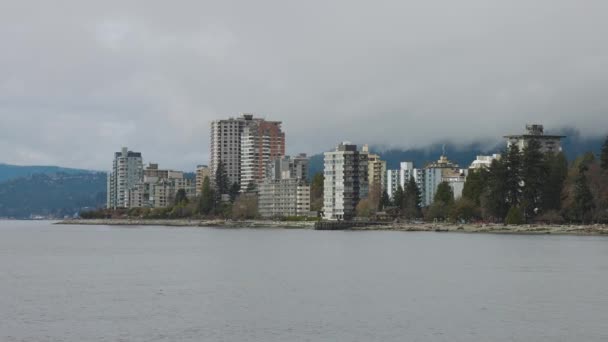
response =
{"points": [[411, 200], [398, 197], [207, 199], [604, 156], [222, 184], [316, 192], [557, 167], [493, 200], [180, 197], [385, 200], [533, 178], [512, 176], [444, 193], [583, 198], [234, 191], [475, 185]]}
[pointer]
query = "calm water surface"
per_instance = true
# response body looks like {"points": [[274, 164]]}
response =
{"points": [[74, 283]]}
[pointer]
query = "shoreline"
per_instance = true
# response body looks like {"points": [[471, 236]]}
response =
{"points": [[404, 227]]}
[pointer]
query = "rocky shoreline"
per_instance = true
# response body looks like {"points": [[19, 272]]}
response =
{"points": [[407, 227]]}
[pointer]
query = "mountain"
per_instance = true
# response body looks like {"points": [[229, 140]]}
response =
{"points": [[8, 172], [573, 145], [52, 195]]}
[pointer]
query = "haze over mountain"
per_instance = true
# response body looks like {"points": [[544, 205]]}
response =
{"points": [[80, 79]]}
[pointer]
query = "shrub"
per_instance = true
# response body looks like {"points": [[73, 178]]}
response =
{"points": [[514, 216]]}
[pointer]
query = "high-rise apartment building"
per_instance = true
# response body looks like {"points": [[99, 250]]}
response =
{"points": [[376, 170], [346, 181], [427, 179], [285, 191], [288, 167], [261, 142], [245, 145], [159, 187], [548, 143], [127, 171]]}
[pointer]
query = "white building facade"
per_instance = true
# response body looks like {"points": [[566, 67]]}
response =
{"points": [[346, 181], [127, 172]]}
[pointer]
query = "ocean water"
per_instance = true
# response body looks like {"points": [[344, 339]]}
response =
{"points": [[86, 283]]}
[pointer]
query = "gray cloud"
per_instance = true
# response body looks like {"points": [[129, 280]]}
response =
{"points": [[78, 79]]}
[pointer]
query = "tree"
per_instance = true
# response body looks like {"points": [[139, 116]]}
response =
{"points": [[557, 173], [385, 200], [411, 200], [514, 216], [475, 184], [512, 176], [442, 202], [245, 207], [374, 196], [464, 210], [207, 199], [316, 192], [604, 156], [583, 198], [533, 178], [365, 208], [180, 197], [234, 191], [493, 199], [222, 182], [251, 188], [444, 193], [398, 197]]}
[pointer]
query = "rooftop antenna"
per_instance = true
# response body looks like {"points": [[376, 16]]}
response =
{"points": [[443, 149]]}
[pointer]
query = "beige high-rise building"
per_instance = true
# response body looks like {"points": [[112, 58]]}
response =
{"points": [[376, 172]]}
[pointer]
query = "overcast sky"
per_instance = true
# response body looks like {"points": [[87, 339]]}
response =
{"points": [[80, 79]]}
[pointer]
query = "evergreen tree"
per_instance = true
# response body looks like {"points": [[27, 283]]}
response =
{"points": [[385, 200], [234, 191], [604, 156], [251, 188], [474, 185], [222, 184], [557, 167], [411, 200], [533, 178], [316, 192], [514, 216], [494, 198], [398, 197], [512, 176], [583, 198], [207, 199], [180, 197], [444, 193]]}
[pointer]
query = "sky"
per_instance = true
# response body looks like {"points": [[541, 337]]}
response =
{"points": [[81, 79]]}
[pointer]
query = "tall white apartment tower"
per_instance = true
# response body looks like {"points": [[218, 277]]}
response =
{"points": [[127, 172], [346, 181], [226, 145]]}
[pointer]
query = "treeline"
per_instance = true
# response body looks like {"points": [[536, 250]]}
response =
{"points": [[524, 186], [222, 201], [529, 186]]}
